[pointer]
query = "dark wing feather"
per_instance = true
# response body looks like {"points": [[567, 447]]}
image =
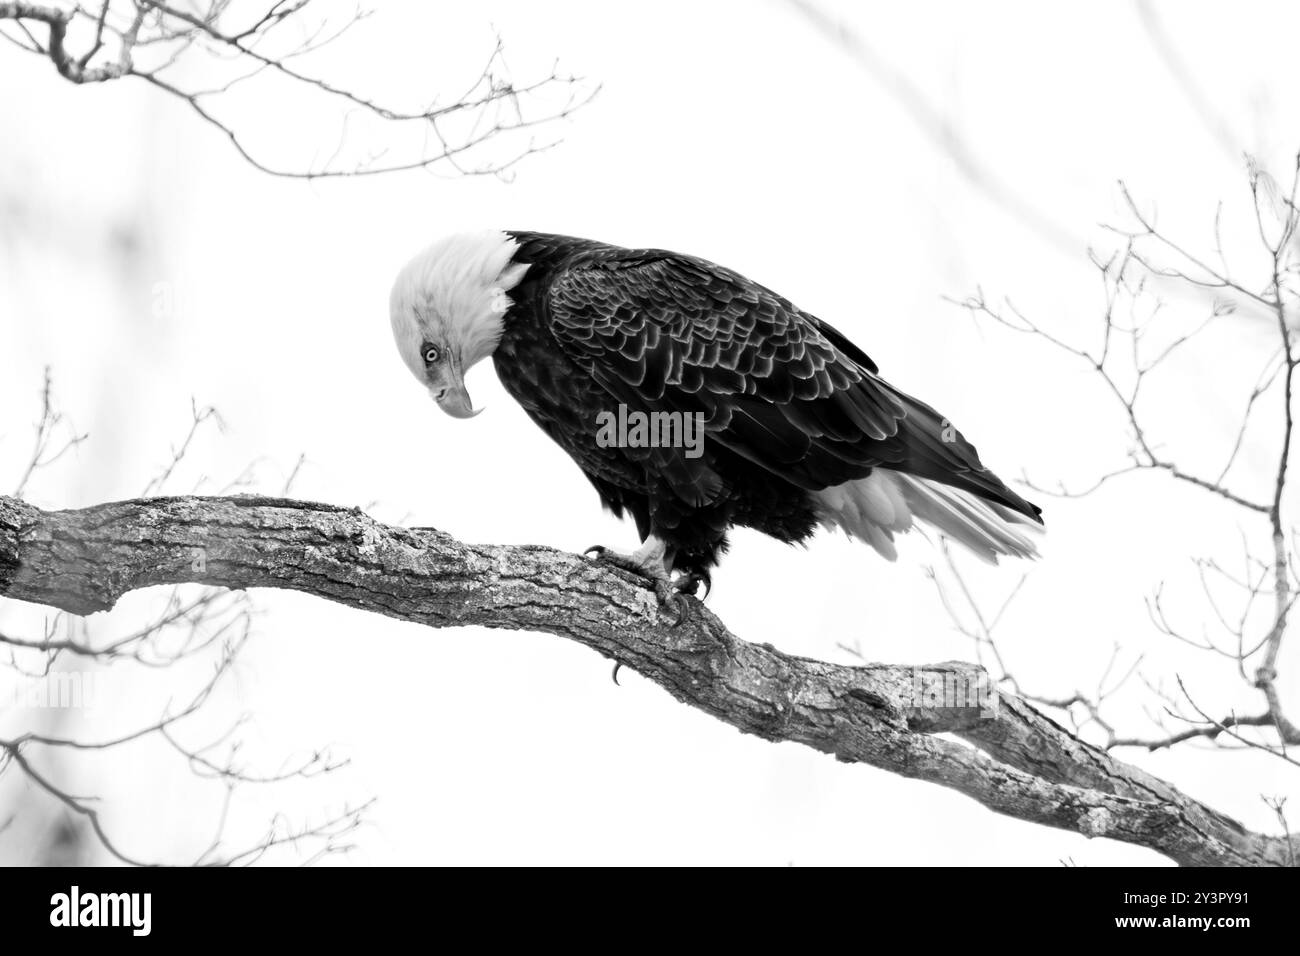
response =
{"points": [[778, 387]]}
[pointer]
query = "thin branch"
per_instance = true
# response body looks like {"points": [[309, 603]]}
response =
{"points": [[145, 40], [49, 447], [1123, 372]]}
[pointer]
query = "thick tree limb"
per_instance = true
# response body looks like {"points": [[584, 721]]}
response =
{"points": [[1021, 763]]}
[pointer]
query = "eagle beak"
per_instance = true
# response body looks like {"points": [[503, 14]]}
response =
{"points": [[450, 393], [456, 403]]}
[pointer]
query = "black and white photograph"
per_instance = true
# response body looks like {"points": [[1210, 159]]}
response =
{"points": [[779, 434]]}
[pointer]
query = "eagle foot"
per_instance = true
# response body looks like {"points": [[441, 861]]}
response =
{"points": [[688, 582], [673, 601], [647, 564], [640, 565]]}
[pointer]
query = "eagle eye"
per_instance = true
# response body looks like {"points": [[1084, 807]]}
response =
{"points": [[431, 354]]}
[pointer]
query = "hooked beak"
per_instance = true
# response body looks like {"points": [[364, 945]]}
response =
{"points": [[448, 390]]}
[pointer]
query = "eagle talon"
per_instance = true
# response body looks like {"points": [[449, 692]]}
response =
{"points": [[673, 601], [688, 582]]}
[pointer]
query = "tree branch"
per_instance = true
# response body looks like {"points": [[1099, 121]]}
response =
{"points": [[1021, 763], [152, 41]]}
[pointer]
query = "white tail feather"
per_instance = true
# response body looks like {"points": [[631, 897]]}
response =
{"points": [[885, 503]]}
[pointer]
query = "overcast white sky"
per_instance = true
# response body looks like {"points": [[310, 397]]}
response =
{"points": [[741, 132]]}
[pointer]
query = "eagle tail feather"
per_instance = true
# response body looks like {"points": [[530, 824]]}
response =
{"points": [[885, 503]]}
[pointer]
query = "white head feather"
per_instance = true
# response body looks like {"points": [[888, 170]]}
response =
{"points": [[455, 295]]}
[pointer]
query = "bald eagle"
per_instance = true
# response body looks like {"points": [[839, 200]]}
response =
{"points": [[794, 427]]}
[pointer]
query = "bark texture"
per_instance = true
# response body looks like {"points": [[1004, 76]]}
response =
{"points": [[1007, 755]]}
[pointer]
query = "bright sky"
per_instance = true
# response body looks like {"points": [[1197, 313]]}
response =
{"points": [[978, 146]]}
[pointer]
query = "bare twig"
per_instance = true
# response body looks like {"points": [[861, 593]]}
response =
{"points": [[152, 42], [1123, 363], [54, 438]]}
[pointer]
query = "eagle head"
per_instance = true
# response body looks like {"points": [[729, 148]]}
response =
{"points": [[448, 310]]}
